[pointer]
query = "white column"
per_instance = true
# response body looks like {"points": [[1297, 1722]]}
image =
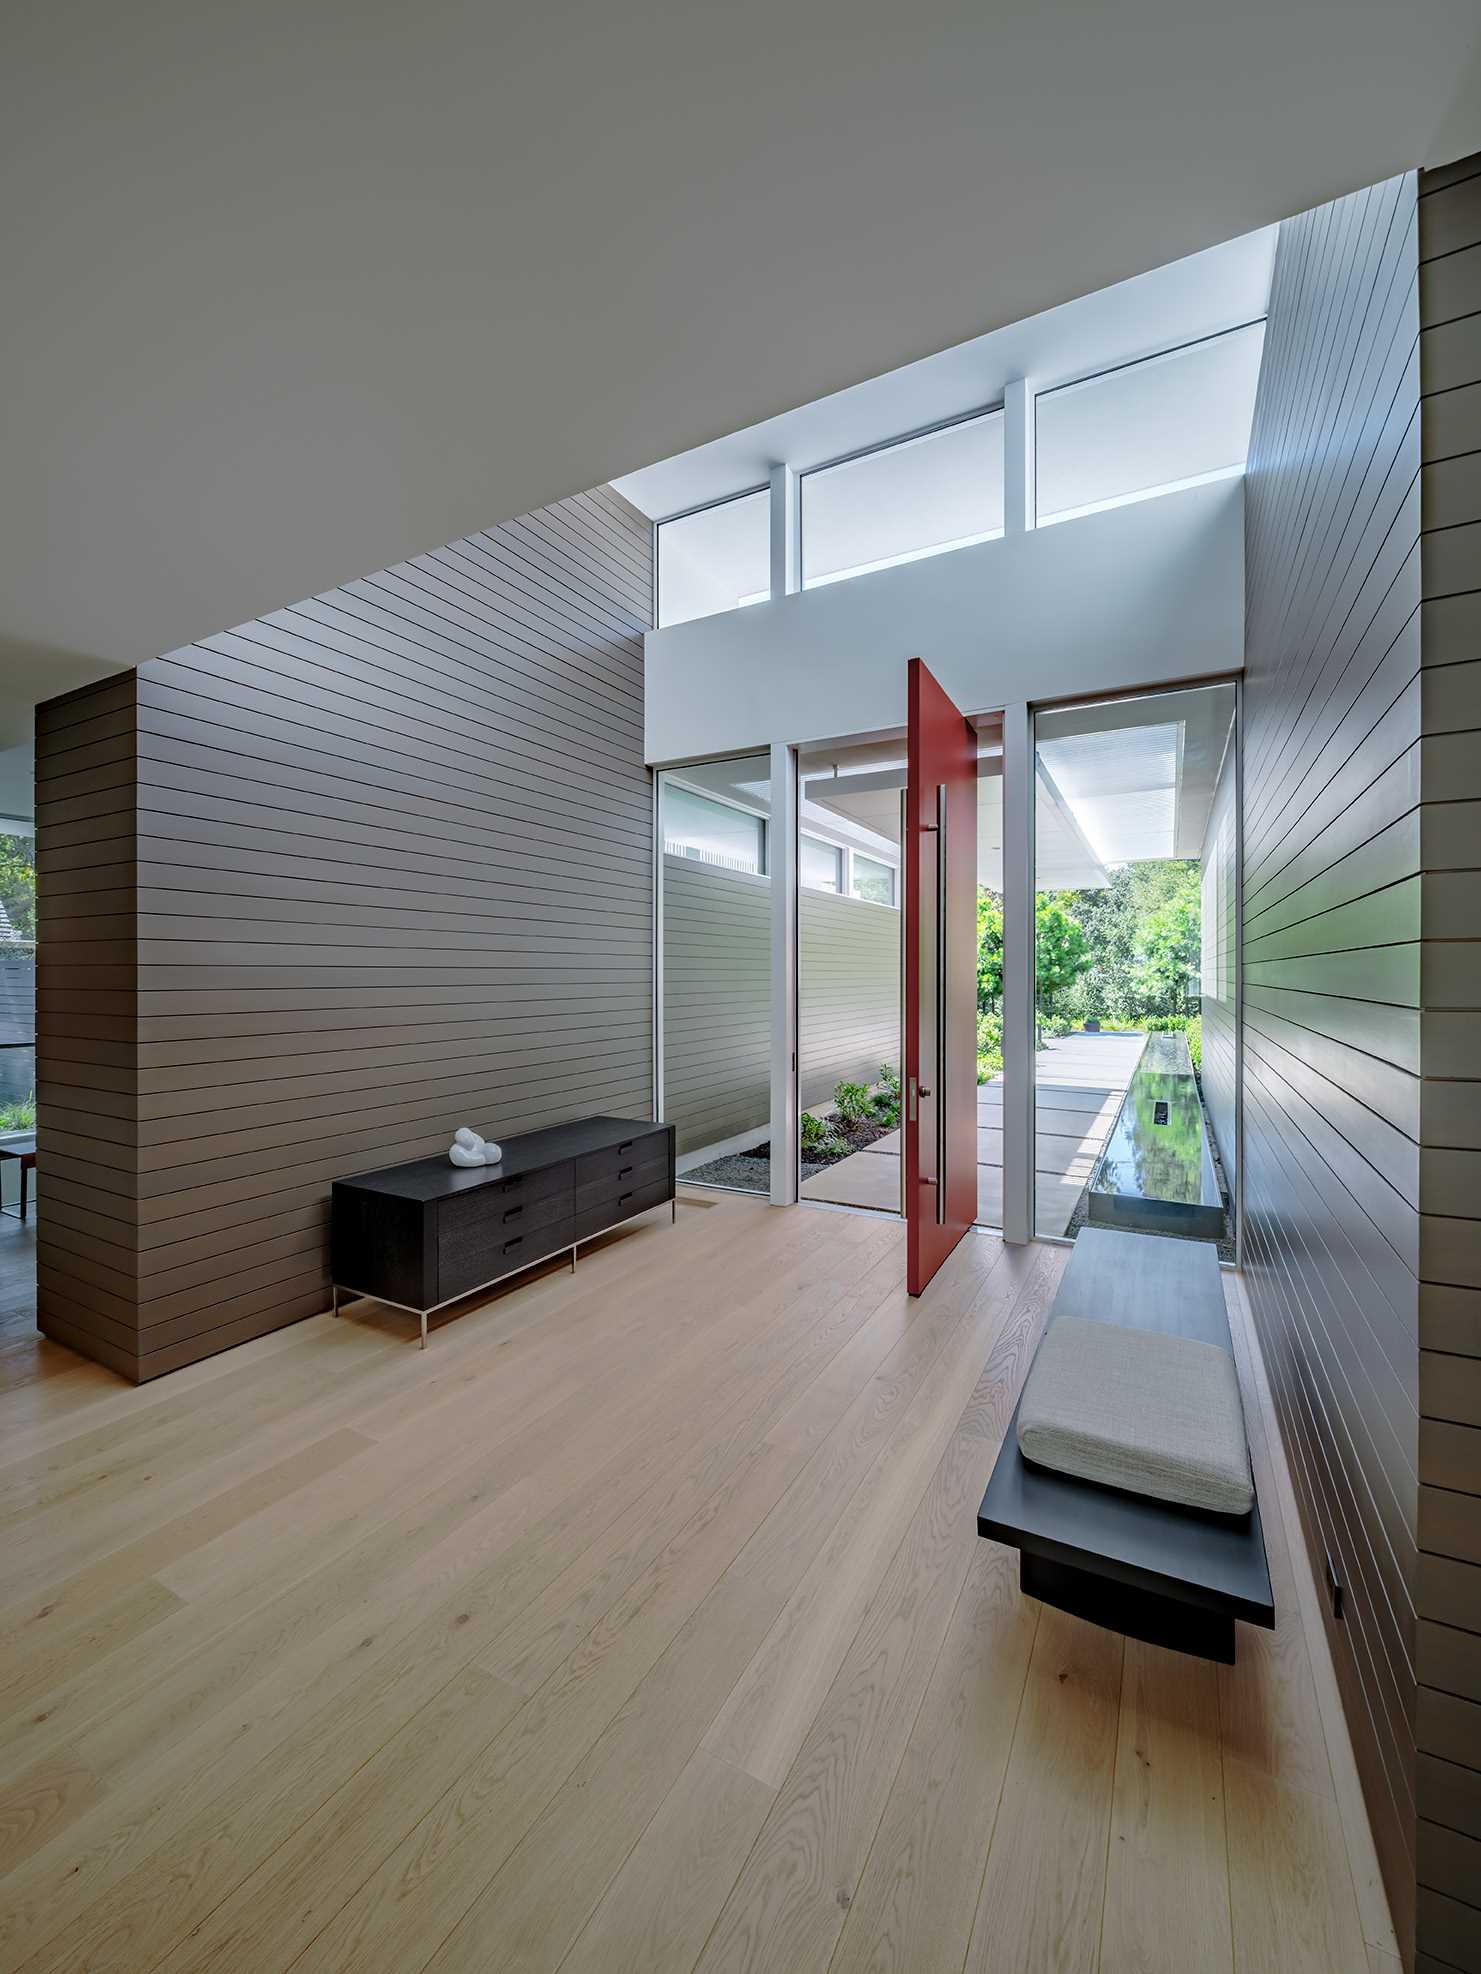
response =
{"points": [[781, 839], [658, 1090], [1018, 456], [1018, 973], [786, 570]]}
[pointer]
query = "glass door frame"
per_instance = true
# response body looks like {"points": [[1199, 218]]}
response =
{"points": [[787, 1066], [1019, 971], [781, 862]]}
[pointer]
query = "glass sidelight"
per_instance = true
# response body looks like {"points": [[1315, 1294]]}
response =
{"points": [[849, 969], [1135, 914]]}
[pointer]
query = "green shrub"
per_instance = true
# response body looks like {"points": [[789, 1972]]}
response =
{"points": [[851, 1101], [19, 1116], [819, 1139], [884, 1105]]}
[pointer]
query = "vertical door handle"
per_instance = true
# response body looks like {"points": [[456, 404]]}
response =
{"points": [[942, 1003]]}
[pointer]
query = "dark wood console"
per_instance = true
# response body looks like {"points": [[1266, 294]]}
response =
{"points": [[422, 1235]]}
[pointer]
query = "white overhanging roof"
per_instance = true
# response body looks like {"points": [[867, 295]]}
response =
{"points": [[1120, 782], [1126, 781]]}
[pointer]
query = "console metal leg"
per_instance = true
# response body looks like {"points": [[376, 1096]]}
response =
{"points": [[674, 1212], [334, 1308], [423, 1344], [573, 1260]]}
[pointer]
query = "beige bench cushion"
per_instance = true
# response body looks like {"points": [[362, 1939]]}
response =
{"points": [[1136, 1409]]}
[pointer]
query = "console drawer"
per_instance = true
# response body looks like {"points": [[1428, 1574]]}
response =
{"points": [[635, 1174], [539, 1184], [642, 1148], [622, 1206], [481, 1236]]}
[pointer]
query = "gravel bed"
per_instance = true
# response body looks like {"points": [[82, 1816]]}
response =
{"points": [[745, 1171]]}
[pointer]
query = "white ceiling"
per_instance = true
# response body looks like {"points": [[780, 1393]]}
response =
{"points": [[293, 292]]}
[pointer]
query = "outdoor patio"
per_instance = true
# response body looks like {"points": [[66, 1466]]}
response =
{"points": [[1079, 1083]]}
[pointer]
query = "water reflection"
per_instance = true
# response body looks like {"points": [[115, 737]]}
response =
{"points": [[1158, 1173]]}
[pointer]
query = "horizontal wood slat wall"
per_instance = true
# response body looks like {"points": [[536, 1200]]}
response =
{"points": [[1331, 942], [319, 889], [1449, 1583]]}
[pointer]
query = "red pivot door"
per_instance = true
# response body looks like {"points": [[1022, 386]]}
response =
{"points": [[940, 979]]}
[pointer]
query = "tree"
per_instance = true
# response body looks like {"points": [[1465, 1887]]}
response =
{"points": [[989, 951], [1061, 950], [1142, 932], [1107, 917], [18, 884], [1168, 945]]}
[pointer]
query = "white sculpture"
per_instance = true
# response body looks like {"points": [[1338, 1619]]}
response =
{"points": [[467, 1148]]}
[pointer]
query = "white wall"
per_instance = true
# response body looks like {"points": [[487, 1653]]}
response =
{"points": [[1138, 595]]}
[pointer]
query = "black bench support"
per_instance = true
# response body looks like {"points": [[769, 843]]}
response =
{"points": [[1138, 1613]]}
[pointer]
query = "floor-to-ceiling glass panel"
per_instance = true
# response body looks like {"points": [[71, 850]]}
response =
{"points": [[990, 975], [848, 976], [715, 957], [1134, 899]]}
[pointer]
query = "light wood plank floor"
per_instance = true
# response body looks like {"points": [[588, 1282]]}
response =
{"points": [[640, 1623]]}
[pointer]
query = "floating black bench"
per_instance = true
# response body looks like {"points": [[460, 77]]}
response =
{"points": [[1155, 1569]]}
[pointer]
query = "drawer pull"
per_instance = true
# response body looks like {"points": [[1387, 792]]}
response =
{"points": [[513, 1214], [518, 1241], [624, 1148], [626, 1172], [624, 1198]]}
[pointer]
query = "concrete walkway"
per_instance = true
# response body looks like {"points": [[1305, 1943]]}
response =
{"points": [[1079, 1081]]}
